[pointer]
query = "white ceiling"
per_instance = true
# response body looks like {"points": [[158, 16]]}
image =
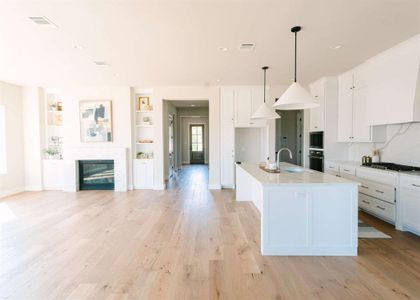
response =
{"points": [[175, 42]]}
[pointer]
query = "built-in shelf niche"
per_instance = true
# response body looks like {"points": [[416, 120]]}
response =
{"points": [[144, 127], [54, 126]]}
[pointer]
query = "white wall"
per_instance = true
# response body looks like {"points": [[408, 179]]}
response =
{"points": [[33, 107], [14, 179], [211, 94], [403, 149], [121, 118]]}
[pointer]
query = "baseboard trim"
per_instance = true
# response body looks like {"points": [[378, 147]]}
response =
{"points": [[215, 187], [159, 187], [33, 188], [11, 192]]}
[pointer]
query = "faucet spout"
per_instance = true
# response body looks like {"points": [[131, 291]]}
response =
{"points": [[278, 156]]}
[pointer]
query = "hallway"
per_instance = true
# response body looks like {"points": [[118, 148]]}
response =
{"points": [[190, 177]]}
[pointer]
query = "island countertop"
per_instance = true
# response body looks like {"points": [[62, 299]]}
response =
{"points": [[307, 177]]}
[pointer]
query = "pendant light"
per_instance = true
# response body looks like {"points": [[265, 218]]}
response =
{"points": [[265, 111], [296, 96]]}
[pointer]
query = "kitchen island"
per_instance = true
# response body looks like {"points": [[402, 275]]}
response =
{"points": [[303, 212]]}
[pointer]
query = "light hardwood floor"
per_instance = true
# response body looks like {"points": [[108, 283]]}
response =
{"points": [[183, 243]]}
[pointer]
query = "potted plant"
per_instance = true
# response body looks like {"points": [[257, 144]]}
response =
{"points": [[52, 152]]}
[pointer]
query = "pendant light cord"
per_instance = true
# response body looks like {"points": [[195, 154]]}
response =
{"points": [[265, 71], [295, 54]]}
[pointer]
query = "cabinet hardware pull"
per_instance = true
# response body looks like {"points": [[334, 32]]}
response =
{"points": [[379, 191], [364, 186], [347, 170], [380, 207], [416, 185], [331, 167], [364, 201]]}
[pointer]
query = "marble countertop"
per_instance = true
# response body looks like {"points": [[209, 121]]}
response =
{"points": [[307, 177]]}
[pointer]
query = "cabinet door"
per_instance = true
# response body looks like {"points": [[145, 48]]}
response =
{"points": [[361, 130], [345, 117], [228, 155], [360, 76], [317, 115], [227, 99], [243, 107], [410, 201], [257, 100], [53, 174], [345, 82]]}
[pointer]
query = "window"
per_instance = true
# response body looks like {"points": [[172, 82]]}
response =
{"points": [[2, 140]]}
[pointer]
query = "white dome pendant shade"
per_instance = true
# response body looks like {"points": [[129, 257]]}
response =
{"points": [[265, 111], [296, 96]]}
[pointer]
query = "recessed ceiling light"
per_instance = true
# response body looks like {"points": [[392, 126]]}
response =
{"points": [[116, 74], [193, 105], [222, 49], [336, 47], [100, 63], [217, 80], [78, 47]]}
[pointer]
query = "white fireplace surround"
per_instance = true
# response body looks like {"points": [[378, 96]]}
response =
{"points": [[71, 165]]}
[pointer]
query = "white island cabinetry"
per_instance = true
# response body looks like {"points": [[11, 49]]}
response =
{"points": [[303, 213]]}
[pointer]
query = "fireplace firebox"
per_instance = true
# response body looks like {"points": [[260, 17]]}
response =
{"points": [[96, 175]]}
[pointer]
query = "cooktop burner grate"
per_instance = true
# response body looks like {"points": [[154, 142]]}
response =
{"points": [[393, 167]]}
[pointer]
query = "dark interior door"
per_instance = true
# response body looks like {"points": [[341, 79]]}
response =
{"points": [[197, 144]]}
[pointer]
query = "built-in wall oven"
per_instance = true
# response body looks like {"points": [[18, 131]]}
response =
{"points": [[316, 160], [316, 139]]}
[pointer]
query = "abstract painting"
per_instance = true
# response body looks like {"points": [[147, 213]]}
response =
{"points": [[96, 121]]}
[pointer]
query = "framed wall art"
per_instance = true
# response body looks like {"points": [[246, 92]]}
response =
{"points": [[96, 121]]}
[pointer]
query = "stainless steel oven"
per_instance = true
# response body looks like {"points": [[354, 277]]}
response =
{"points": [[316, 140], [316, 160]]}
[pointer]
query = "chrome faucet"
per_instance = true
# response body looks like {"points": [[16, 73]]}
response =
{"points": [[278, 156]]}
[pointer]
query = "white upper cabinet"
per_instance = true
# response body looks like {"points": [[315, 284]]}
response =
{"points": [[227, 96], [394, 84], [243, 107], [317, 115], [353, 108], [360, 76], [246, 101], [345, 82], [362, 131], [345, 117]]}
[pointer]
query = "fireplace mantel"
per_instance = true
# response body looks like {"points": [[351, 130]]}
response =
{"points": [[73, 154]]}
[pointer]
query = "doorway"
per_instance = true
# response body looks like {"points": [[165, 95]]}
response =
{"points": [[196, 143], [289, 133], [171, 146]]}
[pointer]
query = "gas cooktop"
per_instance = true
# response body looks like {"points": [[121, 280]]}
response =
{"points": [[393, 167]]}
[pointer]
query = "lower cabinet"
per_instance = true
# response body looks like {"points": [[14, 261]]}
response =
{"points": [[143, 173], [380, 208], [410, 203], [53, 170]]}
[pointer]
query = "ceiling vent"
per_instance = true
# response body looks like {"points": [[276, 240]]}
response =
{"points": [[43, 21], [100, 63], [247, 47]]}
